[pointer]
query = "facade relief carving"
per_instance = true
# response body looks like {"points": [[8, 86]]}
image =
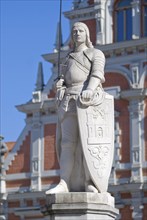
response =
{"points": [[35, 165]]}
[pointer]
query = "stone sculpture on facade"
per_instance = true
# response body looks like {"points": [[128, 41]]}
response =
{"points": [[84, 137]]}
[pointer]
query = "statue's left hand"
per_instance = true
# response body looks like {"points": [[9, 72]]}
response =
{"points": [[87, 95]]}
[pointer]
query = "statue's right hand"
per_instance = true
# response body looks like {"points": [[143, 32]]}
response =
{"points": [[59, 83], [60, 94]]}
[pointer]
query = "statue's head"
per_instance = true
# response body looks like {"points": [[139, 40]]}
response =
{"points": [[84, 26]]}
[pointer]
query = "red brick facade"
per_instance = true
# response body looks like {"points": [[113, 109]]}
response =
{"points": [[18, 183], [92, 29], [126, 213], [144, 211], [116, 79], [90, 2], [14, 204], [123, 174], [12, 216], [50, 180], [121, 106], [126, 195], [51, 94], [21, 163], [50, 158]]}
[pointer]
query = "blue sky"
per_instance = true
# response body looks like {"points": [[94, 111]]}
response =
{"points": [[28, 30]]}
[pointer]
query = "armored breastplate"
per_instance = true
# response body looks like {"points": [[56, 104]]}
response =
{"points": [[76, 72]]}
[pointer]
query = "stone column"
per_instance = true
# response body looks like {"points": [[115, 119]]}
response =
{"points": [[137, 205], [136, 109], [108, 31], [136, 117], [80, 206], [100, 18], [117, 155], [36, 152]]}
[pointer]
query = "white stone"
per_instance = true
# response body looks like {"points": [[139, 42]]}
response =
{"points": [[80, 206], [85, 129]]}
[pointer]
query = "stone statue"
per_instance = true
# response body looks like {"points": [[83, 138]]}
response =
{"points": [[85, 119]]}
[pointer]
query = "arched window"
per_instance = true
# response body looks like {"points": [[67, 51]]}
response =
{"points": [[144, 18], [122, 20]]}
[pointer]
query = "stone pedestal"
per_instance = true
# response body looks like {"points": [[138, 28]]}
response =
{"points": [[80, 206]]}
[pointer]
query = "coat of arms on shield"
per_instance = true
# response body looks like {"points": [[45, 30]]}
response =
{"points": [[96, 125]]}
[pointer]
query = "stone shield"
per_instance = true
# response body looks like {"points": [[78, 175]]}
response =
{"points": [[96, 126]]}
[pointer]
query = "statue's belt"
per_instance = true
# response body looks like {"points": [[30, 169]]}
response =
{"points": [[74, 90]]}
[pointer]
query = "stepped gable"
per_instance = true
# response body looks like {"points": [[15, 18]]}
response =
{"points": [[10, 146], [21, 163]]}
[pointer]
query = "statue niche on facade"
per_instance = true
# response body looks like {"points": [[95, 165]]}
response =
{"points": [[84, 137]]}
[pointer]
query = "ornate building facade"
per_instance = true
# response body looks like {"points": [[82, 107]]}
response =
{"points": [[119, 29]]}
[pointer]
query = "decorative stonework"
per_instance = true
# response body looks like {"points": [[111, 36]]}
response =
{"points": [[101, 154], [137, 205], [135, 75], [80, 206], [118, 145], [97, 124], [98, 131], [35, 165], [36, 96], [136, 117]]}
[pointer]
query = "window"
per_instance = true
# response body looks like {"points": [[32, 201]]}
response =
{"points": [[123, 20], [144, 18]]}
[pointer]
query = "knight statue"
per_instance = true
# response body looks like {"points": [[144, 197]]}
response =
{"points": [[84, 139]]}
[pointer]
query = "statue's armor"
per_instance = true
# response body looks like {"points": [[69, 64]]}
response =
{"points": [[79, 67], [76, 73], [84, 138]]}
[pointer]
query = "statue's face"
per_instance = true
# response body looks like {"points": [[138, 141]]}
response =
{"points": [[79, 34]]}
